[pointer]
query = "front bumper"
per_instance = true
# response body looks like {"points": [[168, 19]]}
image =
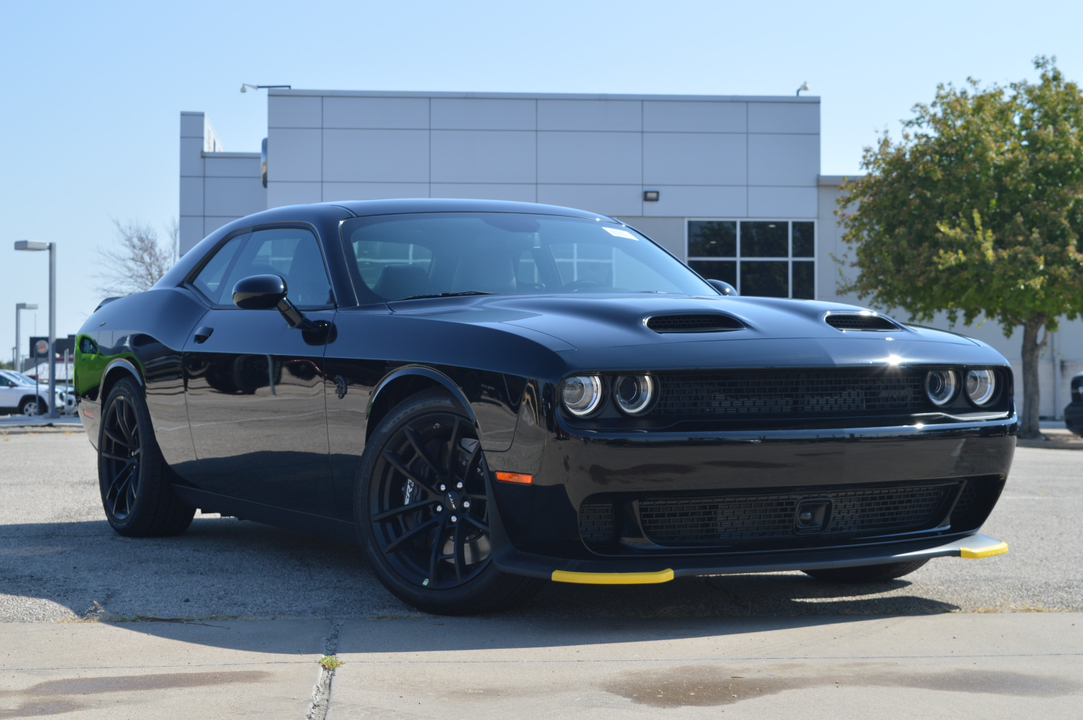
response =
{"points": [[538, 531]]}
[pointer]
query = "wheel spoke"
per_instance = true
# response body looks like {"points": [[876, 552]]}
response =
{"points": [[408, 535], [459, 548], [124, 421], [112, 435], [396, 511], [397, 463], [419, 448], [476, 523], [120, 490], [434, 557]]}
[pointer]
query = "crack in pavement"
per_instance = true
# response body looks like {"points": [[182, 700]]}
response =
{"points": [[321, 692]]}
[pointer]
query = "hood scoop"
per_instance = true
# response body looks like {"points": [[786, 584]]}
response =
{"points": [[702, 323], [861, 322]]}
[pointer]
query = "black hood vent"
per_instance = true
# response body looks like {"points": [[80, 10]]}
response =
{"points": [[861, 322], [707, 323]]}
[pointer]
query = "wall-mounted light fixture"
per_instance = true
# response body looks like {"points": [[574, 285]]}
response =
{"points": [[245, 86], [804, 86], [650, 196]]}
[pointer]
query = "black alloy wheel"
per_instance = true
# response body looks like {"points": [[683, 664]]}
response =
{"points": [[136, 493], [423, 511]]}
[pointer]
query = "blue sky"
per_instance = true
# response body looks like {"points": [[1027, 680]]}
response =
{"points": [[93, 91]]}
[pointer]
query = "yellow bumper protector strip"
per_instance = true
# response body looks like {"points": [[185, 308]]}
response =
{"points": [[583, 578], [969, 554]]}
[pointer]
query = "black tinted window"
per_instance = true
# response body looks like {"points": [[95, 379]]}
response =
{"points": [[405, 256], [209, 279], [291, 253]]}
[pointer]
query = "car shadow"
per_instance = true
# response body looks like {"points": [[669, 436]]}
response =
{"points": [[199, 586]]}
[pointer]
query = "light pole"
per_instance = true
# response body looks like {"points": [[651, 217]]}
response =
{"points": [[34, 246], [18, 336]]}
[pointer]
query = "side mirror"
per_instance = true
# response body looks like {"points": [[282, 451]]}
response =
{"points": [[266, 292], [724, 288], [259, 292]]}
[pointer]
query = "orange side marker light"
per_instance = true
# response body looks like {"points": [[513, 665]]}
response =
{"points": [[516, 478]]}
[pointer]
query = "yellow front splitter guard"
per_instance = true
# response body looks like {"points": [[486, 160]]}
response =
{"points": [[584, 578], [992, 551]]}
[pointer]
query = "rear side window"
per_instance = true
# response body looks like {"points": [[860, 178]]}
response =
{"points": [[209, 279]]}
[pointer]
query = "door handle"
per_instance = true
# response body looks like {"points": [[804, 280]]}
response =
{"points": [[202, 334]]}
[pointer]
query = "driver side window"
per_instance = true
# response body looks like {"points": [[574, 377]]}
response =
{"points": [[291, 253]]}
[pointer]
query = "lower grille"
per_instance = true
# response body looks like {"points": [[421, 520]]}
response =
{"points": [[597, 522], [771, 519], [728, 520]]}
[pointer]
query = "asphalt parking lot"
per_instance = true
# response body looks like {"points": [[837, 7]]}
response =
{"points": [[251, 599]]}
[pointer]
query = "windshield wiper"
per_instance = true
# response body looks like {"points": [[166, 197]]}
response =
{"points": [[444, 295]]}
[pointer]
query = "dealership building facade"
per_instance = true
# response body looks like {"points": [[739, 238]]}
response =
{"points": [[731, 185]]}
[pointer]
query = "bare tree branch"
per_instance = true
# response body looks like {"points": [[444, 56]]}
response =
{"points": [[137, 258]]}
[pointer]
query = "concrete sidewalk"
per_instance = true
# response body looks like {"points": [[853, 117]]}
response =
{"points": [[975, 665], [33, 422]]}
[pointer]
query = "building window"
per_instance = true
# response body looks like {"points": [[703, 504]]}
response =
{"points": [[770, 258]]}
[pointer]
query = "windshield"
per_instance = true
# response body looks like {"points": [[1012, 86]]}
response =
{"points": [[399, 257], [19, 378]]}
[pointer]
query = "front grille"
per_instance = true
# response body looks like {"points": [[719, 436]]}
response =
{"points": [[858, 321], [693, 323], [820, 392]]}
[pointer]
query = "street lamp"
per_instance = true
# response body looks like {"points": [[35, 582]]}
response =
{"points": [[18, 353], [35, 246], [245, 86]]}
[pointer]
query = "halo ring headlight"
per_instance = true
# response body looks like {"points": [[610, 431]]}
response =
{"points": [[581, 394], [634, 393], [981, 386], [941, 386]]}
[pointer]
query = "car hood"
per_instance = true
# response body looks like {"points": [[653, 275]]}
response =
{"points": [[663, 331]]}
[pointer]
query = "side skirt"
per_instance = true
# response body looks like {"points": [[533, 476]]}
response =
{"points": [[328, 528]]}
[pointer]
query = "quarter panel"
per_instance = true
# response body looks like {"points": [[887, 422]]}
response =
{"points": [[147, 331]]}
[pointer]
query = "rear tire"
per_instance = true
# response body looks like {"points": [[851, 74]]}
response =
{"points": [[137, 495], [423, 511], [866, 573]]}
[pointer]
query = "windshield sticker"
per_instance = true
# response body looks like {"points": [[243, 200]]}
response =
{"points": [[617, 232]]}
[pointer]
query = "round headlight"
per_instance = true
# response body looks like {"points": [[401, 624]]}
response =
{"points": [[582, 394], [634, 393], [981, 386], [940, 386]]}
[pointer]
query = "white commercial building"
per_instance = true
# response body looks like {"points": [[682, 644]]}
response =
{"points": [[731, 185]]}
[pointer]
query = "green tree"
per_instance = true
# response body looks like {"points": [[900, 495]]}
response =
{"points": [[978, 212]]}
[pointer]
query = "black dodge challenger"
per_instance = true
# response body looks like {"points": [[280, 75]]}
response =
{"points": [[489, 395]]}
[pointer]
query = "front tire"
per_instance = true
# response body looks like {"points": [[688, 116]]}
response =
{"points": [[867, 573], [137, 495], [423, 511], [32, 407]]}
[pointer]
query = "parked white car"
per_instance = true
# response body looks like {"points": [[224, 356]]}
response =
{"points": [[21, 395]]}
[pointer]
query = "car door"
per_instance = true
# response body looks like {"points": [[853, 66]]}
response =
{"points": [[10, 395], [254, 386]]}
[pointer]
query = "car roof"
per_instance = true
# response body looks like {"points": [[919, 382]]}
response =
{"points": [[441, 205]]}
